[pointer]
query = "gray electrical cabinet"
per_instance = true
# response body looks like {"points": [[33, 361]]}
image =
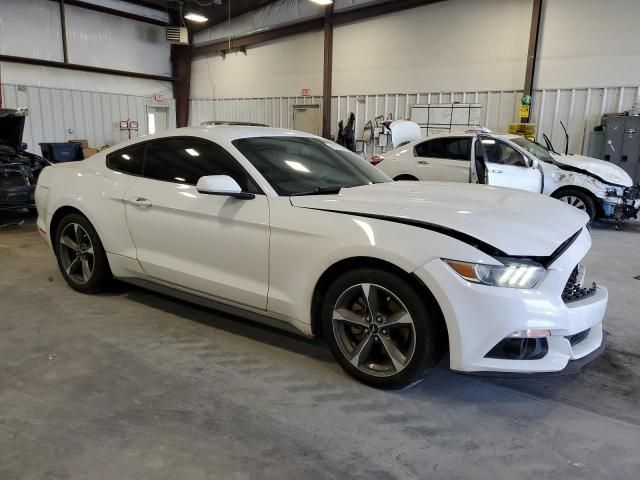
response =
{"points": [[621, 144]]}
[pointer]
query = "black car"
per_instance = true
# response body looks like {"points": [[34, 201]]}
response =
{"points": [[19, 169]]}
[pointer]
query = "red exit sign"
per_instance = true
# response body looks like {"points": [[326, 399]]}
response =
{"points": [[306, 92]]}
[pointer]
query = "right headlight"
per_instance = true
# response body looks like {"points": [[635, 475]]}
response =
{"points": [[513, 273]]}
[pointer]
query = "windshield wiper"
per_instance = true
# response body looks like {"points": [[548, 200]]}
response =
{"points": [[318, 191]]}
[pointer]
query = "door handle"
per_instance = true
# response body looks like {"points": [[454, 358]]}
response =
{"points": [[422, 162], [140, 202], [496, 171]]}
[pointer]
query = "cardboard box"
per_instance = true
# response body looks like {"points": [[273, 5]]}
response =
{"points": [[87, 152]]}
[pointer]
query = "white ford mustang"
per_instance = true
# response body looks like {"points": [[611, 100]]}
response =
{"points": [[295, 230]]}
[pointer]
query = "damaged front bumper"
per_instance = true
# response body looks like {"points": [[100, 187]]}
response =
{"points": [[621, 203]]}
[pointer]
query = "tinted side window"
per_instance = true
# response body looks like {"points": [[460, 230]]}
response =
{"points": [[185, 160], [452, 148], [501, 153], [127, 160]]}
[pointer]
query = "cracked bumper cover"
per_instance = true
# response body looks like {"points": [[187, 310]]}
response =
{"points": [[478, 317]]}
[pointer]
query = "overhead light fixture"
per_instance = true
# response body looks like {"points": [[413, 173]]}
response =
{"points": [[195, 17], [323, 2]]}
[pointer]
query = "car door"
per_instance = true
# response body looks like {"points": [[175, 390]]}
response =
{"points": [[444, 159], [507, 167], [212, 244]]}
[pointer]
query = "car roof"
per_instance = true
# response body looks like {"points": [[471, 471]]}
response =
{"points": [[507, 136], [215, 133], [231, 132]]}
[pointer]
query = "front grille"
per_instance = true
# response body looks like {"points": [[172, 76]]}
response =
{"points": [[574, 291], [576, 338]]}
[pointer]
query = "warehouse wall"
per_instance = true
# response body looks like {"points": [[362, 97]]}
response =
{"points": [[589, 43], [457, 45], [31, 28], [454, 45], [61, 114], [67, 104], [275, 69], [579, 109]]}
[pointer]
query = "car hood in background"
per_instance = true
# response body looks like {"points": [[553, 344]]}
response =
{"points": [[403, 132], [11, 127], [606, 171], [516, 222]]}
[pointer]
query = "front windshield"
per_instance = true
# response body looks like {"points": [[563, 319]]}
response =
{"points": [[297, 165], [534, 149]]}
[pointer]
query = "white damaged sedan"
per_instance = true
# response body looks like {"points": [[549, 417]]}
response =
{"points": [[294, 230]]}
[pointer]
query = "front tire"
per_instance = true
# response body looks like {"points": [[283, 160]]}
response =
{"points": [[579, 200], [81, 256], [379, 328]]}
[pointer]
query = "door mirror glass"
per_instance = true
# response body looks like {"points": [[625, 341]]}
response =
{"points": [[535, 163], [221, 185]]}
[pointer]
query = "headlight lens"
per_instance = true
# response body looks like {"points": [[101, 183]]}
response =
{"points": [[514, 273]]}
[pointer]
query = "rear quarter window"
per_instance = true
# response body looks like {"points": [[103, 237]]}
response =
{"points": [[128, 160]]}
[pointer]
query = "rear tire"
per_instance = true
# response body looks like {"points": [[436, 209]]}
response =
{"points": [[379, 328], [81, 256], [579, 200]]}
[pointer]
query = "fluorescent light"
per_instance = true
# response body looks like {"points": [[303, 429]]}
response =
{"points": [[194, 17], [323, 2], [192, 152]]}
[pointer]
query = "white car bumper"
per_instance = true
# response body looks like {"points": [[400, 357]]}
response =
{"points": [[479, 317]]}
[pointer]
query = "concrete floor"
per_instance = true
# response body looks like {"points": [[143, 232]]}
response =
{"points": [[130, 384]]}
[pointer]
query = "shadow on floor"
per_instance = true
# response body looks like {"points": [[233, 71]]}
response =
{"points": [[312, 347]]}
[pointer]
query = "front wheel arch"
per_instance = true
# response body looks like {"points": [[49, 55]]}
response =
{"points": [[338, 268], [562, 191]]}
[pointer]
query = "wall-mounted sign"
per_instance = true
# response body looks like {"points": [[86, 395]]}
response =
{"points": [[158, 97], [306, 92], [524, 111]]}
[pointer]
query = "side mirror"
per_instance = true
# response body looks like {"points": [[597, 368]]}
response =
{"points": [[23, 146], [535, 163], [222, 185]]}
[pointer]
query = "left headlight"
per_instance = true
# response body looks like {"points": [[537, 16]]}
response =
{"points": [[513, 273]]}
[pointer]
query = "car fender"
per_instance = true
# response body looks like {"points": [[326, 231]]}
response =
{"points": [[312, 241]]}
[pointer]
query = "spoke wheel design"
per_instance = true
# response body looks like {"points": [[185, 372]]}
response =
{"points": [[77, 253], [574, 202], [374, 330]]}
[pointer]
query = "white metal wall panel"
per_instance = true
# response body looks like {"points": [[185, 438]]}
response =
{"points": [[111, 42], [22, 36], [94, 116], [579, 109]]}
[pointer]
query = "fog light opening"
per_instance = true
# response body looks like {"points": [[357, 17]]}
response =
{"points": [[530, 333]]}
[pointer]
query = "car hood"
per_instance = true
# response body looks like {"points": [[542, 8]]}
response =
{"points": [[11, 127], [602, 170], [515, 222]]}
